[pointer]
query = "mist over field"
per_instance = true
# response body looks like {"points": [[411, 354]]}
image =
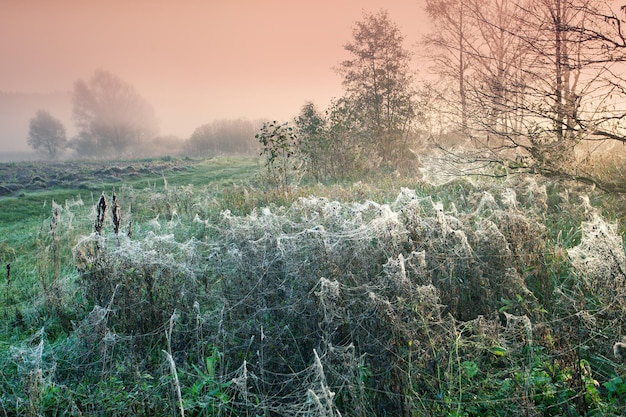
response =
{"points": [[194, 64]]}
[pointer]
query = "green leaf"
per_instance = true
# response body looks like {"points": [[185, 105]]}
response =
{"points": [[471, 368], [615, 386], [498, 351]]}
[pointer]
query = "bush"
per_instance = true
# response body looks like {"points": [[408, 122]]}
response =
{"points": [[282, 160]]}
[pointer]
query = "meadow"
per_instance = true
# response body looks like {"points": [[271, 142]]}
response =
{"points": [[190, 287]]}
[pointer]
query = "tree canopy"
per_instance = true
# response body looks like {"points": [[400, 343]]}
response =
{"points": [[379, 83], [110, 115]]}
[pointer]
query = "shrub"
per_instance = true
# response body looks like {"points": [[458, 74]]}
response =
{"points": [[279, 146]]}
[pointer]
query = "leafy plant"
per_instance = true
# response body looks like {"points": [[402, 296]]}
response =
{"points": [[616, 388], [279, 146], [207, 394]]}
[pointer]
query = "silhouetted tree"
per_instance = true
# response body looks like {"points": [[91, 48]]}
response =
{"points": [[379, 83], [110, 114], [46, 135]]}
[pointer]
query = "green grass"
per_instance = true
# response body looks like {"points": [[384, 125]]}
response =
{"points": [[217, 174], [25, 217]]}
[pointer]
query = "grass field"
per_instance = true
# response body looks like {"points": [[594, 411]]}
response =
{"points": [[376, 296]]}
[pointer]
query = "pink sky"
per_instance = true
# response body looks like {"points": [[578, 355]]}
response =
{"points": [[194, 61]]}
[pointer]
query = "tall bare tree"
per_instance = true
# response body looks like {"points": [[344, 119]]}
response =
{"points": [[544, 76], [497, 58], [449, 50]]}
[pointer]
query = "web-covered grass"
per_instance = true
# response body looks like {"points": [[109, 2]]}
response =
{"points": [[499, 298]]}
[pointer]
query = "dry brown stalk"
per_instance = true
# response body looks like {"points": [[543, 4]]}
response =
{"points": [[55, 219], [102, 207], [117, 219]]}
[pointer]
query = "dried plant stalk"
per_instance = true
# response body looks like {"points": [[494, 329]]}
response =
{"points": [[117, 219], [54, 240], [55, 219], [101, 212]]}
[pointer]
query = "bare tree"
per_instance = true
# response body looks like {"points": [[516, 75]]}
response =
{"points": [[449, 50], [498, 57], [571, 88], [46, 135], [544, 79], [110, 114]]}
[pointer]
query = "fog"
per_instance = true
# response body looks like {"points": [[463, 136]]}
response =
{"points": [[195, 61]]}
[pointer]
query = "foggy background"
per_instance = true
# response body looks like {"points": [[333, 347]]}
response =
{"points": [[194, 61]]}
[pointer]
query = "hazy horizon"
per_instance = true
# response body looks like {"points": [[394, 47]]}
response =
{"points": [[194, 61]]}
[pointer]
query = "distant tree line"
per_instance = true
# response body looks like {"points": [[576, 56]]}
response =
{"points": [[113, 120], [224, 136], [371, 126]]}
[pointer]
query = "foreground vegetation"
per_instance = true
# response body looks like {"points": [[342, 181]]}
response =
{"points": [[209, 293]]}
